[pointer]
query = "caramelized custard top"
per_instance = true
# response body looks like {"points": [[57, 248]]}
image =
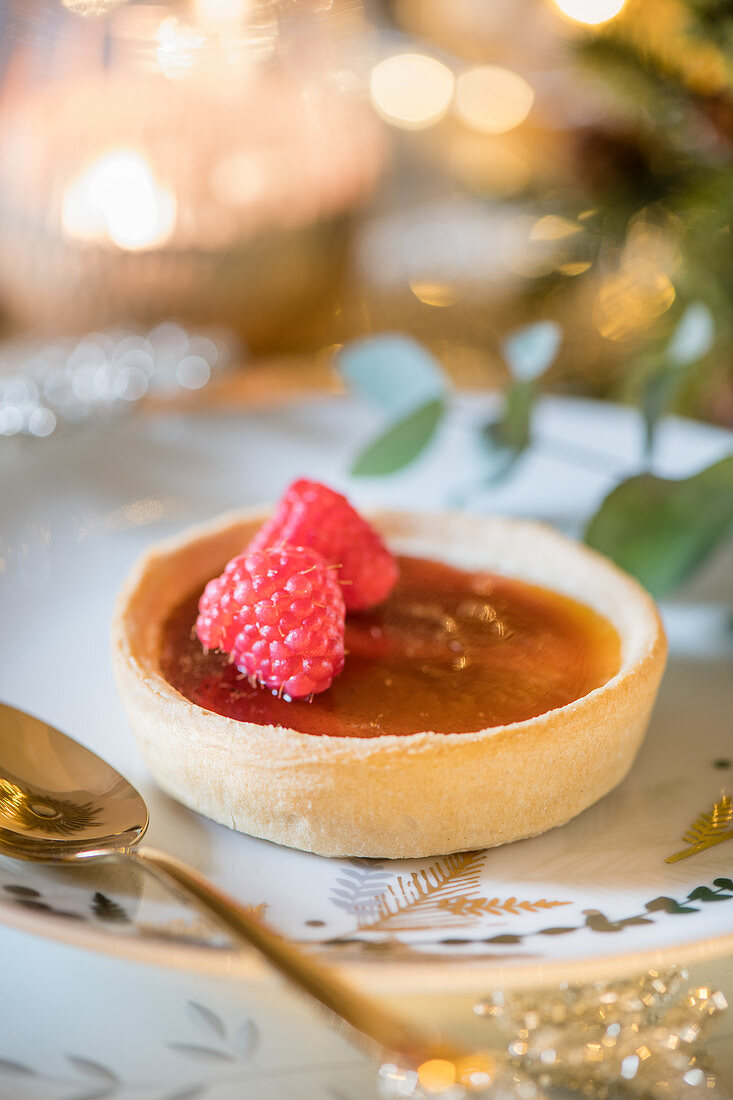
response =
{"points": [[449, 651]]}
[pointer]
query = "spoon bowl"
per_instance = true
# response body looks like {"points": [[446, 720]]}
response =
{"points": [[59, 800]]}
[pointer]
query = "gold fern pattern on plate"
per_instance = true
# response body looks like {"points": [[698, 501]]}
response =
{"points": [[478, 907], [707, 830], [444, 895]]}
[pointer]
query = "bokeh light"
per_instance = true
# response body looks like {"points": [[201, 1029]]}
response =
{"points": [[631, 298], [434, 293], [590, 12], [477, 1071], [492, 99], [436, 1075], [411, 90], [553, 228], [118, 199]]}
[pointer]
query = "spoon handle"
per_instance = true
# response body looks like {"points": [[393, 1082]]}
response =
{"points": [[365, 1016]]}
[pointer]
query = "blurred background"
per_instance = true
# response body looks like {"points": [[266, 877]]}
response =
{"points": [[279, 176]]}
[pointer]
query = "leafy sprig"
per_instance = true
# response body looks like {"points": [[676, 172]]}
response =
{"points": [[661, 530], [403, 379]]}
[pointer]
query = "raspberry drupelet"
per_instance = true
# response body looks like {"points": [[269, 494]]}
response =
{"points": [[279, 612], [220, 605], [311, 514]]}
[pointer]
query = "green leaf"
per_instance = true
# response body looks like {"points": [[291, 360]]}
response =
{"points": [[401, 442], [530, 351], [662, 530], [508, 436], [691, 340], [513, 430], [693, 337], [704, 893], [394, 372], [657, 395]]}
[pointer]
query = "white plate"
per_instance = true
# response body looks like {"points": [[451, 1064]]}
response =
{"points": [[594, 896]]}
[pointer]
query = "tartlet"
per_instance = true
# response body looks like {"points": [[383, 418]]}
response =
{"points": [[392, 796]]}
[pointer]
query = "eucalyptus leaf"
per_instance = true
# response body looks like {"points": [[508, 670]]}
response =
{"points": [[394, 372], [693, 337], [662, 530], [657, 395], [530, 351], [508, 436], [691, 340], [401, 442]]}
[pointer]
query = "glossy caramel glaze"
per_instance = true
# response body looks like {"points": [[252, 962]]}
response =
{"points": [[449, 651]]}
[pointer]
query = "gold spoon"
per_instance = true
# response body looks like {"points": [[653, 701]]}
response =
{"points": [[61, 802]]}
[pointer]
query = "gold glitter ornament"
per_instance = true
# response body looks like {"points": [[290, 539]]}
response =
{"points": [[632, 1038], [635, 1038]]}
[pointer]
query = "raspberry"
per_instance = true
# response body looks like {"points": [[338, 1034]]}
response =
{"points": [[310, 514], [281, 616], [220, 604]]}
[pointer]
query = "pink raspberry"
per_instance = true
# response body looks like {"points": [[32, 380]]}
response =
{"points": [[220, 604], [310, 514], [285, 609]]}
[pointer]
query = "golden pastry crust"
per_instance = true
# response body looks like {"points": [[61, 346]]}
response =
{"points": [[392, 796]]}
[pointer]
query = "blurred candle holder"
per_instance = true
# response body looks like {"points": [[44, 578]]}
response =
{"points": [[201, 160]]}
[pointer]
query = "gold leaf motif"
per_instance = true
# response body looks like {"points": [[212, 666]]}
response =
{"points": [[445, 895], [414, 901], [707, 830], [476, 907]]}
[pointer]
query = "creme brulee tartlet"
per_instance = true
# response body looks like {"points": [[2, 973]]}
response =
{"points": [[503, 687]]}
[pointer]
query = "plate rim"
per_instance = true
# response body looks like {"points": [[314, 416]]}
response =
{"points": [[408, 976]]}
